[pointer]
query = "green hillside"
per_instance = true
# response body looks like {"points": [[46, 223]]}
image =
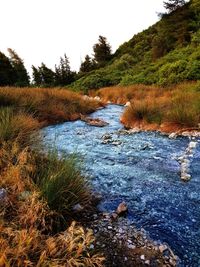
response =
{"points": [[166, 53]]}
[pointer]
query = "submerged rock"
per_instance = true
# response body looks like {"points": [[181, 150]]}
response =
{"points": [[94, 121], [122, 208]]}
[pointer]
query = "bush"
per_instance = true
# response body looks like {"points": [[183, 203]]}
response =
{"points": [[61, 182], [172, 73]]}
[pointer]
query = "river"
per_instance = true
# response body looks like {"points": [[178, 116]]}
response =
{"points": [[142, 169]]}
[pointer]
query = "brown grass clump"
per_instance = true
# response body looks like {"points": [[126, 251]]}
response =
{"points": [[151, 107]]}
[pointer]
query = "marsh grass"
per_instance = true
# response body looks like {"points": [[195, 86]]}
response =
{"points": [[40, 188], [47, 105], [177, 105], [61, 182]]}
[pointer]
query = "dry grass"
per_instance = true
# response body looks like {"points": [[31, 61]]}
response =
{"points": [[26, 222], [171, 108], [47, 105], [28, 225]]}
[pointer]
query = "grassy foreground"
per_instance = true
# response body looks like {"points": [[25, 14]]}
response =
{"points": [[38, 191], [155, 108]]}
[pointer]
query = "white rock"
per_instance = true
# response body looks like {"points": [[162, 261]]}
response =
{"points": [[185, 177], [162, 248], [97, 98], [142, 257], [172, 135], [192, 144], [128, 104]]}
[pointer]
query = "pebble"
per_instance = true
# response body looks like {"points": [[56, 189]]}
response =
{"points": [[77, 208], [131, 246], [142, 257], [162, 248]]}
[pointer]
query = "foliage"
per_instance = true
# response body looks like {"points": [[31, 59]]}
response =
{"points": [[7, 73], [87, 65], [172, 5], [22, 78], [63, 73], [102, 51], [173, 42]]}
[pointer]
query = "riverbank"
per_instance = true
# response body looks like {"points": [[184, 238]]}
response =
{"points": [[39, 190], [144, 169], [169, 110], [33, 201]]}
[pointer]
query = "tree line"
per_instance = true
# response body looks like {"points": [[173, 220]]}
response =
{"points": [[14, 73]]}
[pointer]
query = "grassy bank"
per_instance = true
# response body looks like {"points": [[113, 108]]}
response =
{"points": [[152, 108], [38, 191]]}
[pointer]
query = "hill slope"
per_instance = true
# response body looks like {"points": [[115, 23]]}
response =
{"points": [[166, 53]]}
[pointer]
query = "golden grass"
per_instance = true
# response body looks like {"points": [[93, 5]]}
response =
{"points": [[27, 224], [47, 105], [152, 107]]}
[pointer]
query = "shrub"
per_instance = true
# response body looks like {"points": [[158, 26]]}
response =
{"points": [[172, 73]]}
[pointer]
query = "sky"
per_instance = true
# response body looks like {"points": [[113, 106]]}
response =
{"points": [[43, 30]]}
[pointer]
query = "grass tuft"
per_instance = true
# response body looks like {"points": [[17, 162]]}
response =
{"points": [[61, 182]]}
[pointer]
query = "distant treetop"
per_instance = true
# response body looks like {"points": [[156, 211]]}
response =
{"points": [[172, 5]]}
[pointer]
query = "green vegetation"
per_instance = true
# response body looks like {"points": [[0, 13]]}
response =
{"points": [[60, 181], [167, 53]]}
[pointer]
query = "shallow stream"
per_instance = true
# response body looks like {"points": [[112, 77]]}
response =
{"points": [[142, 169]]}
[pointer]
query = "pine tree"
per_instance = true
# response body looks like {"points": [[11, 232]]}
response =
{"points": [[7, 72], [18, 65], [63, 73], [87, 65], [102, 51], [47, 76], [37, 79]]}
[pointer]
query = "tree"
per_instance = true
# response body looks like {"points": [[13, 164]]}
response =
{"points": [[87, 65], [22, 77], [7, 72], [47, 76], [102, 51], [63, 73], [37, 79], [172, 5]]}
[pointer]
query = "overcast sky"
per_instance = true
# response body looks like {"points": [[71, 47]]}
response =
{"points": [[43, 30]]}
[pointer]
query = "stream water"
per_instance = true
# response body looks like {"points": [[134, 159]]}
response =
{"points": [[141, 169]]}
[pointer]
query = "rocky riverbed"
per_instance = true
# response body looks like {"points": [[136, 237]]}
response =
{"points": [[157, 176]]}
